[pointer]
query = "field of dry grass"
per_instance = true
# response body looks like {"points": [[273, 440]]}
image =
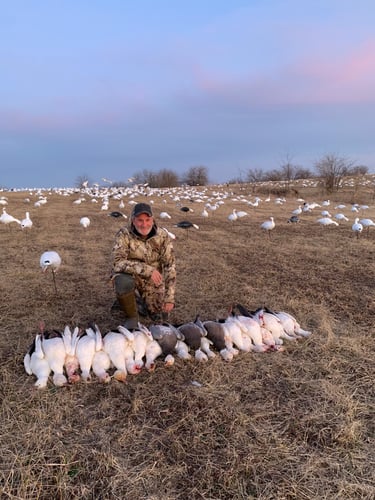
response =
{"points": [[297, 424]]}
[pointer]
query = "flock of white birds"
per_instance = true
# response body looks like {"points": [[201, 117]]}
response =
{"points": [[212, 200]]}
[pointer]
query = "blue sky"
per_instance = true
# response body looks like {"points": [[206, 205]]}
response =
{"points": [[108, 88]]}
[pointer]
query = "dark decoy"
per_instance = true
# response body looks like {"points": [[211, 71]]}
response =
{"points": [[117, 214], [293, 219], [185, 224]]}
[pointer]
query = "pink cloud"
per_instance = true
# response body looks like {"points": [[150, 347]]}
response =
{"points": [[348, 79]]}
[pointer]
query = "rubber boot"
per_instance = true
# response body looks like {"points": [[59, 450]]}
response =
{"points": [[129, 305]]}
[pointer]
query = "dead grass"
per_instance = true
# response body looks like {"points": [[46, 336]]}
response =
{"points": [[292, 425]]}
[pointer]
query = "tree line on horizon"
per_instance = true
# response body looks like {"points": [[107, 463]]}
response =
{"points": [[331, 169]]}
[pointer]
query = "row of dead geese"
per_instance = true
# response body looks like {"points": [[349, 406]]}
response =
{"points": [[74, 354]]}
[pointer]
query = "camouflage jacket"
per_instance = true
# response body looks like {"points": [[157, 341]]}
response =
{"points": [[133, 255]]}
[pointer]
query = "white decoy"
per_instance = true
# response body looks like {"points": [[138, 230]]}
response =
{"points": [[357, 227], [341, 217], [326, 203], [364, 207], [241, 213], [50, 260], [26, 222], [233, 216], [171, 235], [204, 213], [164, 215], [85, 222], [367, 223], [297, 211], [268, 225], [325, 213], [327, 221], [7, 218]]}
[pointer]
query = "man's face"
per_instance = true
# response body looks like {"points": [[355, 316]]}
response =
{"points": [[143, 224]]}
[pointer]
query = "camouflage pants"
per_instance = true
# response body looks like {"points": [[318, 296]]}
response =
{"points": [[151, 295]]}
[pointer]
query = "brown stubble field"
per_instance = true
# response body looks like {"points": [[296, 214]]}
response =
{"points": [[297, 424]]}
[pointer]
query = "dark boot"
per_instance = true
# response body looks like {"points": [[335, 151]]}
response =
{"points": [[129, 305]]}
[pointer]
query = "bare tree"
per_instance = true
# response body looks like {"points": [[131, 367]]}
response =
{"points": [[255, 175], [167, 178], [162, 178], [273, 175], [332, 169], [196, 176], [359, 170], [302, 173], [288, 170]]}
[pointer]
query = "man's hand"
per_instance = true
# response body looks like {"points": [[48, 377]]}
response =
{"points": [[168, 306], [156, 277]]}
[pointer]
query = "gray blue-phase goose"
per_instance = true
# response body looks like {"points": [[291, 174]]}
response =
{"points": [[193, 333], [166, 335]]}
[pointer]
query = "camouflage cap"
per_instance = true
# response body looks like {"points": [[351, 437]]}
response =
{"points": [[142, 208]]}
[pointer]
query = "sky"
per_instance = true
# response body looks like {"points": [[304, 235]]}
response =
{"points": [[110, 88]]}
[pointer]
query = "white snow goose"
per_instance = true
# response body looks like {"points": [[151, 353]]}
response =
{"points": [[35, 363], [268, 226], [357, 227]]}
